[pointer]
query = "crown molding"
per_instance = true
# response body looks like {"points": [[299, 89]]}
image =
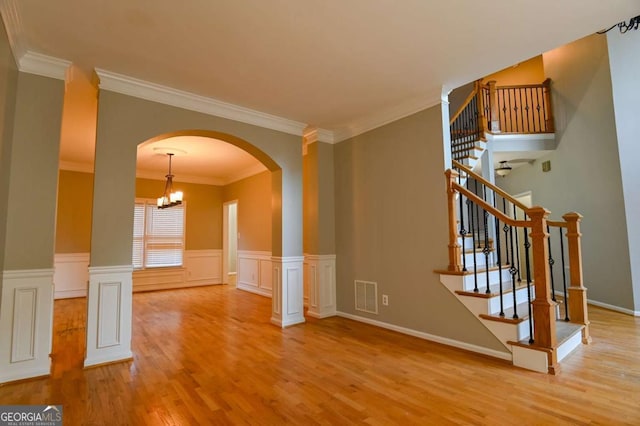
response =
{"points": [[246, 173], [13, 25], [46, 66], [74, 166], [181, 178], [166, 95], [387, 116]]}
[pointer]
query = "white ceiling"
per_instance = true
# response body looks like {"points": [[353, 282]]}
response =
{"points": [[343, 66]]}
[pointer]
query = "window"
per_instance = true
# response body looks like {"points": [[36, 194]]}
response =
{"points": [[158, 235]]}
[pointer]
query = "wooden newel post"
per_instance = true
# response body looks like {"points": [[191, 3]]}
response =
{"points": [[493, 107], [482, 120], [577, 292], [454, 247], [549, 121], [544, 315]]}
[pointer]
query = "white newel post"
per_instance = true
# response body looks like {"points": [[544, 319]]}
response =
{"points": [[287, 292], [322, 285], [109, 314], [26, 323]]}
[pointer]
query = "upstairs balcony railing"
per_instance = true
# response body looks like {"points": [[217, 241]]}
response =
{"points": [[523, 109]]}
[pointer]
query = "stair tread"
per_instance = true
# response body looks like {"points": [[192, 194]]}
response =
{"points": [[564, 331], [523, 314], [494, 290]]}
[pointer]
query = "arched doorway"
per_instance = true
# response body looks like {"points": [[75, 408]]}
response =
{"points": [[123, 123]]}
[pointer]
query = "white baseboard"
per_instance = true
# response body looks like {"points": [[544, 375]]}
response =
{"points": [[614, 308], [252, 289], [430, 337]]}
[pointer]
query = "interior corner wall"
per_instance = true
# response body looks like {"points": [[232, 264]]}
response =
{"points": [[33, 176], [625, 62], [391, 228], [585, 168], [530, 71], [319, 199], [254, 210], [8, 88]]}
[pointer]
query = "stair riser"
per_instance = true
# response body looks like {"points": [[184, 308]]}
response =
{"points": [[507, 300], [494, 278], [508, 332]]}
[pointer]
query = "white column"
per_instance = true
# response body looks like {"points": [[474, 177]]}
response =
{"points": [[287, 293], [26, 324], [109, 314], [321, 275]]}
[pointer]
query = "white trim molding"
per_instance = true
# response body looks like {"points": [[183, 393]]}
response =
{"points": [[320, 284], [126, 85], [613, 308], [13, 25], [254, 272], [71, 275], [26, 324], [204, 267], [43, 65], [109, 314], [287, 304], [431, 337]]}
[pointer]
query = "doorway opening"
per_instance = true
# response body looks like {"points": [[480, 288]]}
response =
{"points": [[230, 237]]}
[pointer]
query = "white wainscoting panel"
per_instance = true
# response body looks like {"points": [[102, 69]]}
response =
{"points": [[109, 314], [159, 279], [26, 323], [71, 275], [255, 272], [204, 267], [320, 285], [287, 305]]}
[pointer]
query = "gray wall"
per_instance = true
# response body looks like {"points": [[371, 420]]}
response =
{"points": [[8, 85], [585, 168], [33, 178], [625, 63], [391, 228], [319, 200]]}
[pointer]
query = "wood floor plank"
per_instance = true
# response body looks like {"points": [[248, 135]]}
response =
{"points": [[209, 355]]}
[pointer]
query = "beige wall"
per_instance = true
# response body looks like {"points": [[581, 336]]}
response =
{"points": [[73, 221], [391, 228], [8, 86], [33, 176], [124, 122], [254, 210], [319, 203], [73, 233], [585, 168], [203, 228], [528, 72]]}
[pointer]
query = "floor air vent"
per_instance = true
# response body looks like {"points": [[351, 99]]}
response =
{"points": [[366, 296]]}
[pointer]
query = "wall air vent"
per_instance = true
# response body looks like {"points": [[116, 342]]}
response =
{"points": [[366, 296]]}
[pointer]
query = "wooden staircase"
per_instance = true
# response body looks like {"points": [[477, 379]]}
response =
{"points": [[518, 305]]}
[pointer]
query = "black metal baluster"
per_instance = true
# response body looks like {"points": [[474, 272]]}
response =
{"points": [[463, 231], [498, 257], [486, 250], [520, 127], [470, 209], [564, 279], [517, 258], [551, 263], [505, 229], [538, 109], [477, 214], [513, 271], [527, 245]]}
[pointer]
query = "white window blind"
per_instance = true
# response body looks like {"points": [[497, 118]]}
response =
{"points": [[158, 235]]}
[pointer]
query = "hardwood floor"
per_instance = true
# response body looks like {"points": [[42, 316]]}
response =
{"points": [[208, 355]]}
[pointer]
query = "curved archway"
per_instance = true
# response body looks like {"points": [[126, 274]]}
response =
{"points": [[123, 122]]}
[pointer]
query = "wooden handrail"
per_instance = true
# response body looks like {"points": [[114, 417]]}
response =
{"points": [[488, 207], [489, 185], [522, 86]]}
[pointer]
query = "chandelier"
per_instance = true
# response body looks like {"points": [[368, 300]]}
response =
{"points": [[623, 26], [169, 198]]}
